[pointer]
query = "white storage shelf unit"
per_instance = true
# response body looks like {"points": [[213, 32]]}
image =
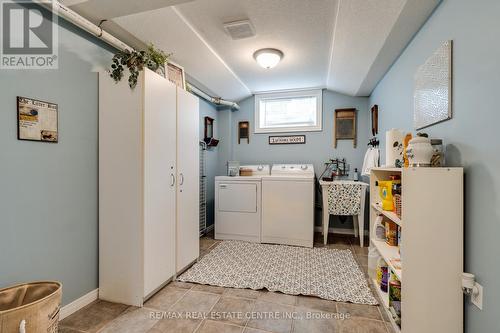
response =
{"points": [[431, 247]]}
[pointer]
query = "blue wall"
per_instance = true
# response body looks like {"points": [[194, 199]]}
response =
{"points": [[49, 192], [211, 156], [470, 136], [319, 145]]}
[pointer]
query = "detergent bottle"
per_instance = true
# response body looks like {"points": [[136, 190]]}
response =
{"points": [[385, 191]]}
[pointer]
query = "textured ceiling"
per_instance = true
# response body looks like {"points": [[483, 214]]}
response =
{"points": [[98, 10], [106, 9], [342, 45], [300, 29], [360, 32], [189, 50]]}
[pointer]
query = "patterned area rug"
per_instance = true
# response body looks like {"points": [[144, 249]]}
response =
{"points": [[327, 273]]}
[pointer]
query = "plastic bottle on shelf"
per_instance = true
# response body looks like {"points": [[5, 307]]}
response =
{"points": [[379, 229], [385, 192], [373, 258], [384, 285], [382, 275]]}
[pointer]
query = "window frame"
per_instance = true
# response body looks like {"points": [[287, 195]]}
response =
{"points": [[318, 93]]}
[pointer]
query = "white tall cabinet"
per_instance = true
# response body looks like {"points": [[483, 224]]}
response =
{"points": [[188, 164], [148, 185]]}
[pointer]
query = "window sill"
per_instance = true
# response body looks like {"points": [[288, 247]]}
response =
{"points": [[287, 130]]}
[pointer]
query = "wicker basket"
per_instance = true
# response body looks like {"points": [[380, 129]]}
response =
{"points": [[30, 307], [397, 204], [246, 172]]}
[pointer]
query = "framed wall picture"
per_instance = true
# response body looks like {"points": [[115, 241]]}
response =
{"points": [[345, 126], [433, 88], [176, 75], [37, 120]]}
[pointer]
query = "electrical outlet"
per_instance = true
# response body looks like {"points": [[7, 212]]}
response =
{"points": [[477, 299]]}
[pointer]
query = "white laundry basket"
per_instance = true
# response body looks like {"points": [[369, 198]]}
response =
{"points": [[30, 307]]}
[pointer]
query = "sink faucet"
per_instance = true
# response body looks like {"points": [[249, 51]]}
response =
{"points": [[335, 168], [338, 167]]}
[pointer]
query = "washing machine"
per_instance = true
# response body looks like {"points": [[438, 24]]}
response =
{"points": [[238, 205], [288, 205]]}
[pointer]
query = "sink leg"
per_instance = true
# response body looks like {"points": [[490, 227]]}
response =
{"points": [[326, 219], [355, 225]]}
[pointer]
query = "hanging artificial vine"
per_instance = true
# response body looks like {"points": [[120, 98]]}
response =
{"points": [[152, 58]]}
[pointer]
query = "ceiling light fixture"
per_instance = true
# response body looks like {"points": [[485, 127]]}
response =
{"points": [[268, 58]]}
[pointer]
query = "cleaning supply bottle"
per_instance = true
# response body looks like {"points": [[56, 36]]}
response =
{"points": [[379, 229], [385, 191], [373, 258], [382, 275]]}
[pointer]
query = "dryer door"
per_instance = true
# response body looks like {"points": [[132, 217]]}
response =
{"points": [[237, 197]]}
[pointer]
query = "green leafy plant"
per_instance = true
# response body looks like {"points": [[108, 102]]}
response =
{"points": [[157, 57], [152, 58]]}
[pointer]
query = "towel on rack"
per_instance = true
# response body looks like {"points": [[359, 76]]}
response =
{"points": [[371, 160]]}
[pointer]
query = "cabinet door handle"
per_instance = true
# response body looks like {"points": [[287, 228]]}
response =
{"points": [[172, 179], [181, 179]]}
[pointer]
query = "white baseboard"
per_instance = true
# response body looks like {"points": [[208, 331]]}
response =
{"points": [[78, 303], [341, 231]]}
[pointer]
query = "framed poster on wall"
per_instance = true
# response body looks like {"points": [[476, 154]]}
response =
{"points": [[37, 120], [176, 75], [433, 88]]}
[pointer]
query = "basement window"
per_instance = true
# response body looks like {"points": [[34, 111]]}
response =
{"points": [[290, 111]]}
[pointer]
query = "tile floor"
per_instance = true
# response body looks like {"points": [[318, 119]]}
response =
{"points": [[184, 307]]}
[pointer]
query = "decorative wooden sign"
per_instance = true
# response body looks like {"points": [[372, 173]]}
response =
{"points": [[209, 133], [243, 131], [375, 120], [345, 126], [287, 139], [37, 120]]}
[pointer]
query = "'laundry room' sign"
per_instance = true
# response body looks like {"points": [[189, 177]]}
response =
{"points": [[287, 139]]}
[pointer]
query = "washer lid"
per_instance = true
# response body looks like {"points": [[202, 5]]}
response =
{"points": [[293, 170]]}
